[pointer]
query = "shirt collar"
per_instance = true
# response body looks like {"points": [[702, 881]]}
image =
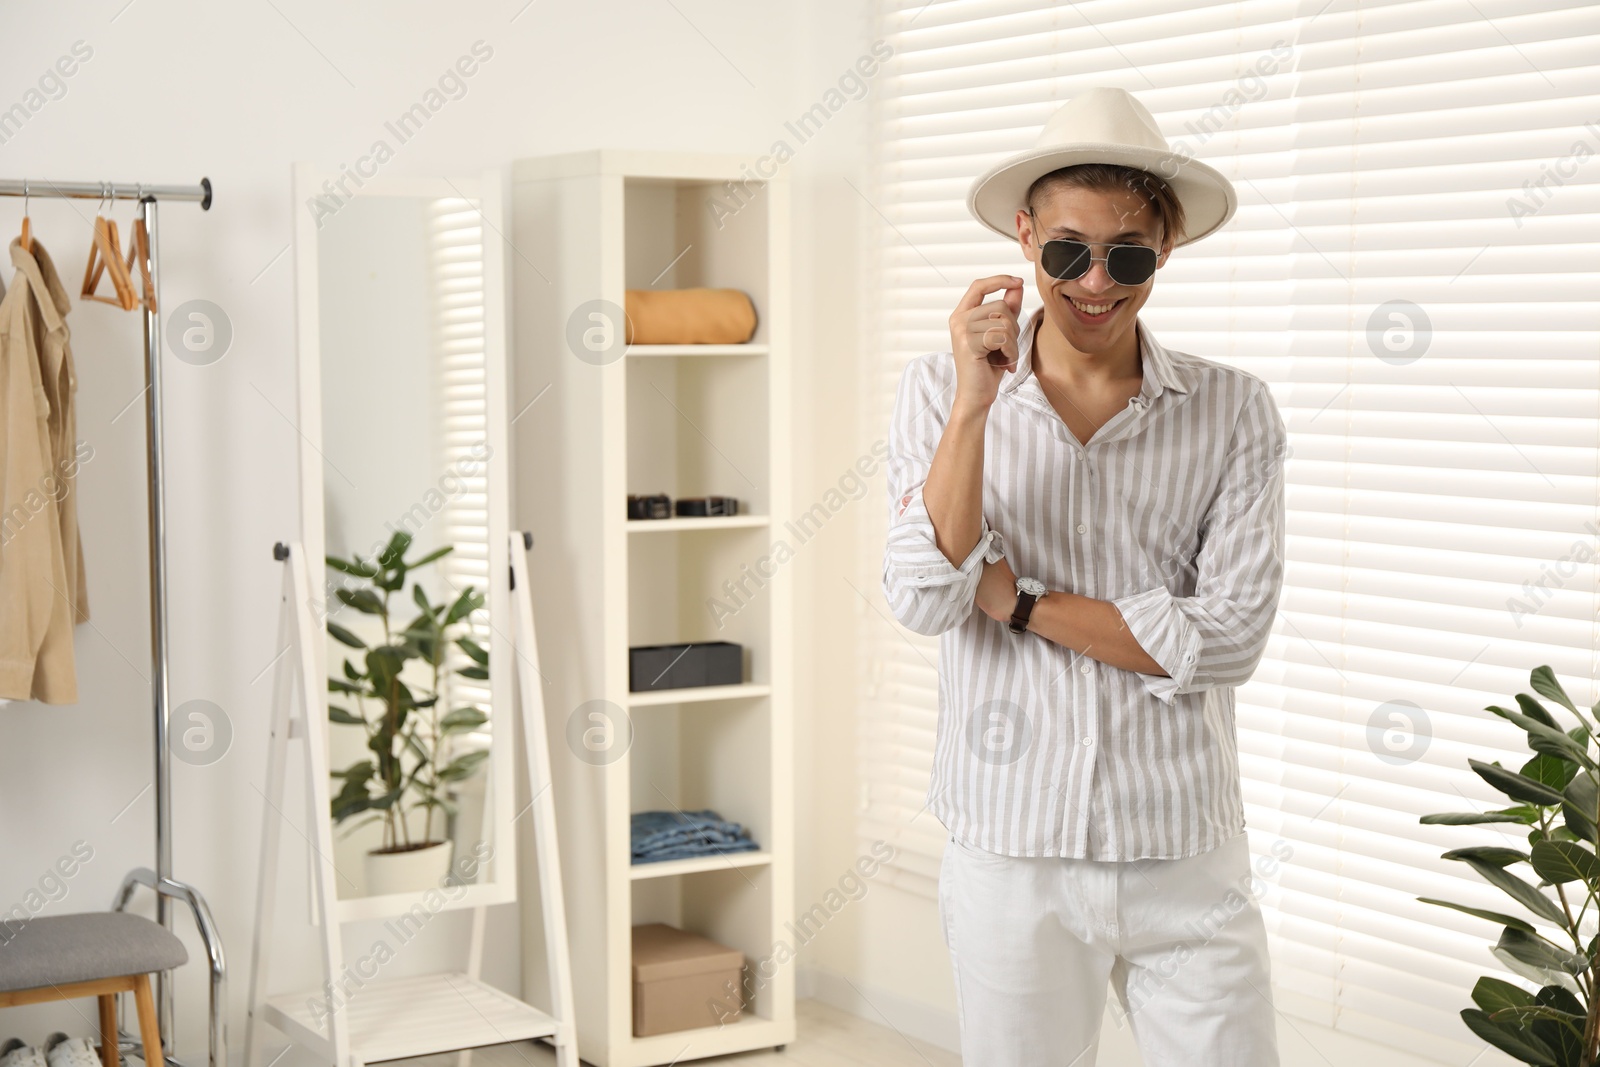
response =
{"points": [[1161, 371]]}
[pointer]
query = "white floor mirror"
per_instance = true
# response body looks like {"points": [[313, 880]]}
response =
{"points": [[404, 496], [415, 661]]}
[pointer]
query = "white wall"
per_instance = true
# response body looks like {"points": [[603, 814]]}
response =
{"points": [[174, 91]]}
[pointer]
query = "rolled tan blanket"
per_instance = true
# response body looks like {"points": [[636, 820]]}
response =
{"points": [[689, 317]]}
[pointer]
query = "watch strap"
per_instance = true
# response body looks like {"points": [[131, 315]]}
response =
{"points": [[1024, 608]]}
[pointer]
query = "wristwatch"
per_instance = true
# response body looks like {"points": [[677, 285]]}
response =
{"points": [[1029, 592]]}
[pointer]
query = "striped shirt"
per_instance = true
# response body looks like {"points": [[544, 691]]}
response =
{"points": [[1174, 512]]}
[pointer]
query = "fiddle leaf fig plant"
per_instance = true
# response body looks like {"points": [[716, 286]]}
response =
{"points": [[393, 690], [1556, 796]]}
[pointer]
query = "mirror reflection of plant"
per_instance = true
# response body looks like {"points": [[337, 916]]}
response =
{"points": [[1556, 794], [406, 719]]}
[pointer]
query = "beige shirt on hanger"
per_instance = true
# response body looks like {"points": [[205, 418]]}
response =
{"points": [[42, 588]]}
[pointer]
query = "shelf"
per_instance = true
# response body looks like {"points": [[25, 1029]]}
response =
{"points": [[352, 909], [746, 349], [687, 421], [698, 522], [417, 1016], [696, 694], [696, 864]]}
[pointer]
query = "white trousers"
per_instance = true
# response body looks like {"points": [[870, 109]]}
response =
{"points": [[1033, 942]]}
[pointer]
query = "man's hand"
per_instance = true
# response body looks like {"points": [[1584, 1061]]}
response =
{"points": [[997, 590], [978, 328]]}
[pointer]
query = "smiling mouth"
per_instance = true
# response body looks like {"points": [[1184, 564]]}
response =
{"points": [[1098, 312]]}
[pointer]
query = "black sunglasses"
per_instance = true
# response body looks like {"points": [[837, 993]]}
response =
{"points": [[1065, 260]]}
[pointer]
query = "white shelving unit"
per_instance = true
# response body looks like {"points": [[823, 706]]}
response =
{"points": [[686, 420]]}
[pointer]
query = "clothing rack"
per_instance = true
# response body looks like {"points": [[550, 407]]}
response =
{"points": [[160, 880]]}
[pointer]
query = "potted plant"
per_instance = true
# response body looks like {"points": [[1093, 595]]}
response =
{"points": [[1556, 795], [394, 689]]}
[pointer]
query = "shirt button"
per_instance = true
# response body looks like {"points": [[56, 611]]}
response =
{"points": [[1082, 528], [1077, 455], [1189, 658], [1088, 740], [1084, 667]]}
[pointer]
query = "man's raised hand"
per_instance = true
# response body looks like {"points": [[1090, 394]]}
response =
{"points": [[983, 339]]}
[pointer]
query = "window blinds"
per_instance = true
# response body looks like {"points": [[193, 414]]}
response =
{"points": [[455, 247], [1413, 267]]}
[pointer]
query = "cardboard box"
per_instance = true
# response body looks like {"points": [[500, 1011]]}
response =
{"points": [[682, 981]]}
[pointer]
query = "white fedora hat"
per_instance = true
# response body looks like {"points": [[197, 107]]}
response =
{"points": [[1103, 125]]}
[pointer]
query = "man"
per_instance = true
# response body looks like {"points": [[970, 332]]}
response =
{"points": [[1093, 523]]}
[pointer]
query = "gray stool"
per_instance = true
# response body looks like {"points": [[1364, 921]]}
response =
{"points": [[95, 954]]}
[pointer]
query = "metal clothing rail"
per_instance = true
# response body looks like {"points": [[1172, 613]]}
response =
{"points": [[160, 881]]}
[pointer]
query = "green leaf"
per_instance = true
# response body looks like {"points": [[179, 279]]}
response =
{"points": [[384, 664], [480, 674], [393, 579], [339, 685], [1482, 913], [1521, 891], [422, 645], [343, 636], [363, 600], [1562, 1026], [1538, 952], [395, 550], [1545, 737], [351, 673], [340, 715], [1512, 1041], [477, 652], [1545, 684], [417, 750], [1492, 994], [359, 771], [1564, 861], [431, 556], [1580, 800], [355, 566], [1495, 854], [469, 601], [462, 719], [1551, 770], [420, 597], [1515, 785], [386, 800], [1535, 710], [344, 807], [463, 766], [1472, 818]]}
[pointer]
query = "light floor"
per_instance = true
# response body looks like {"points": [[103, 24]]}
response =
{"points": [[827, 1037]]}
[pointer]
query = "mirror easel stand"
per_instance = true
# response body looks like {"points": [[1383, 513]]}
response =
{"points": [[159, 880], [398, 1018]]}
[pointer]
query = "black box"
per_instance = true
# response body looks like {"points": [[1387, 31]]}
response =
{"points": [[708, 506], [681, 666]]}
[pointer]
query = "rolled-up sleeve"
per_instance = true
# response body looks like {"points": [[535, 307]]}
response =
{"points": [[926, 592], [1217, 636]]}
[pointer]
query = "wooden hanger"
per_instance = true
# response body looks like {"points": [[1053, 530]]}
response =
{"points": [[105, 257], [139, 249], [27, 229]]}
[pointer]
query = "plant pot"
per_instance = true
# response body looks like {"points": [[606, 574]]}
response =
{"points": [[410, 870]]}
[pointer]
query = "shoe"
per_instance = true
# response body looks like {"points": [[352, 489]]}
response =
{"points": [[63, 1051], [15, 1053]]}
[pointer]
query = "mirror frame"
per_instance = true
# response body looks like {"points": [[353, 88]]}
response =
{"points": [[308, 186]]}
